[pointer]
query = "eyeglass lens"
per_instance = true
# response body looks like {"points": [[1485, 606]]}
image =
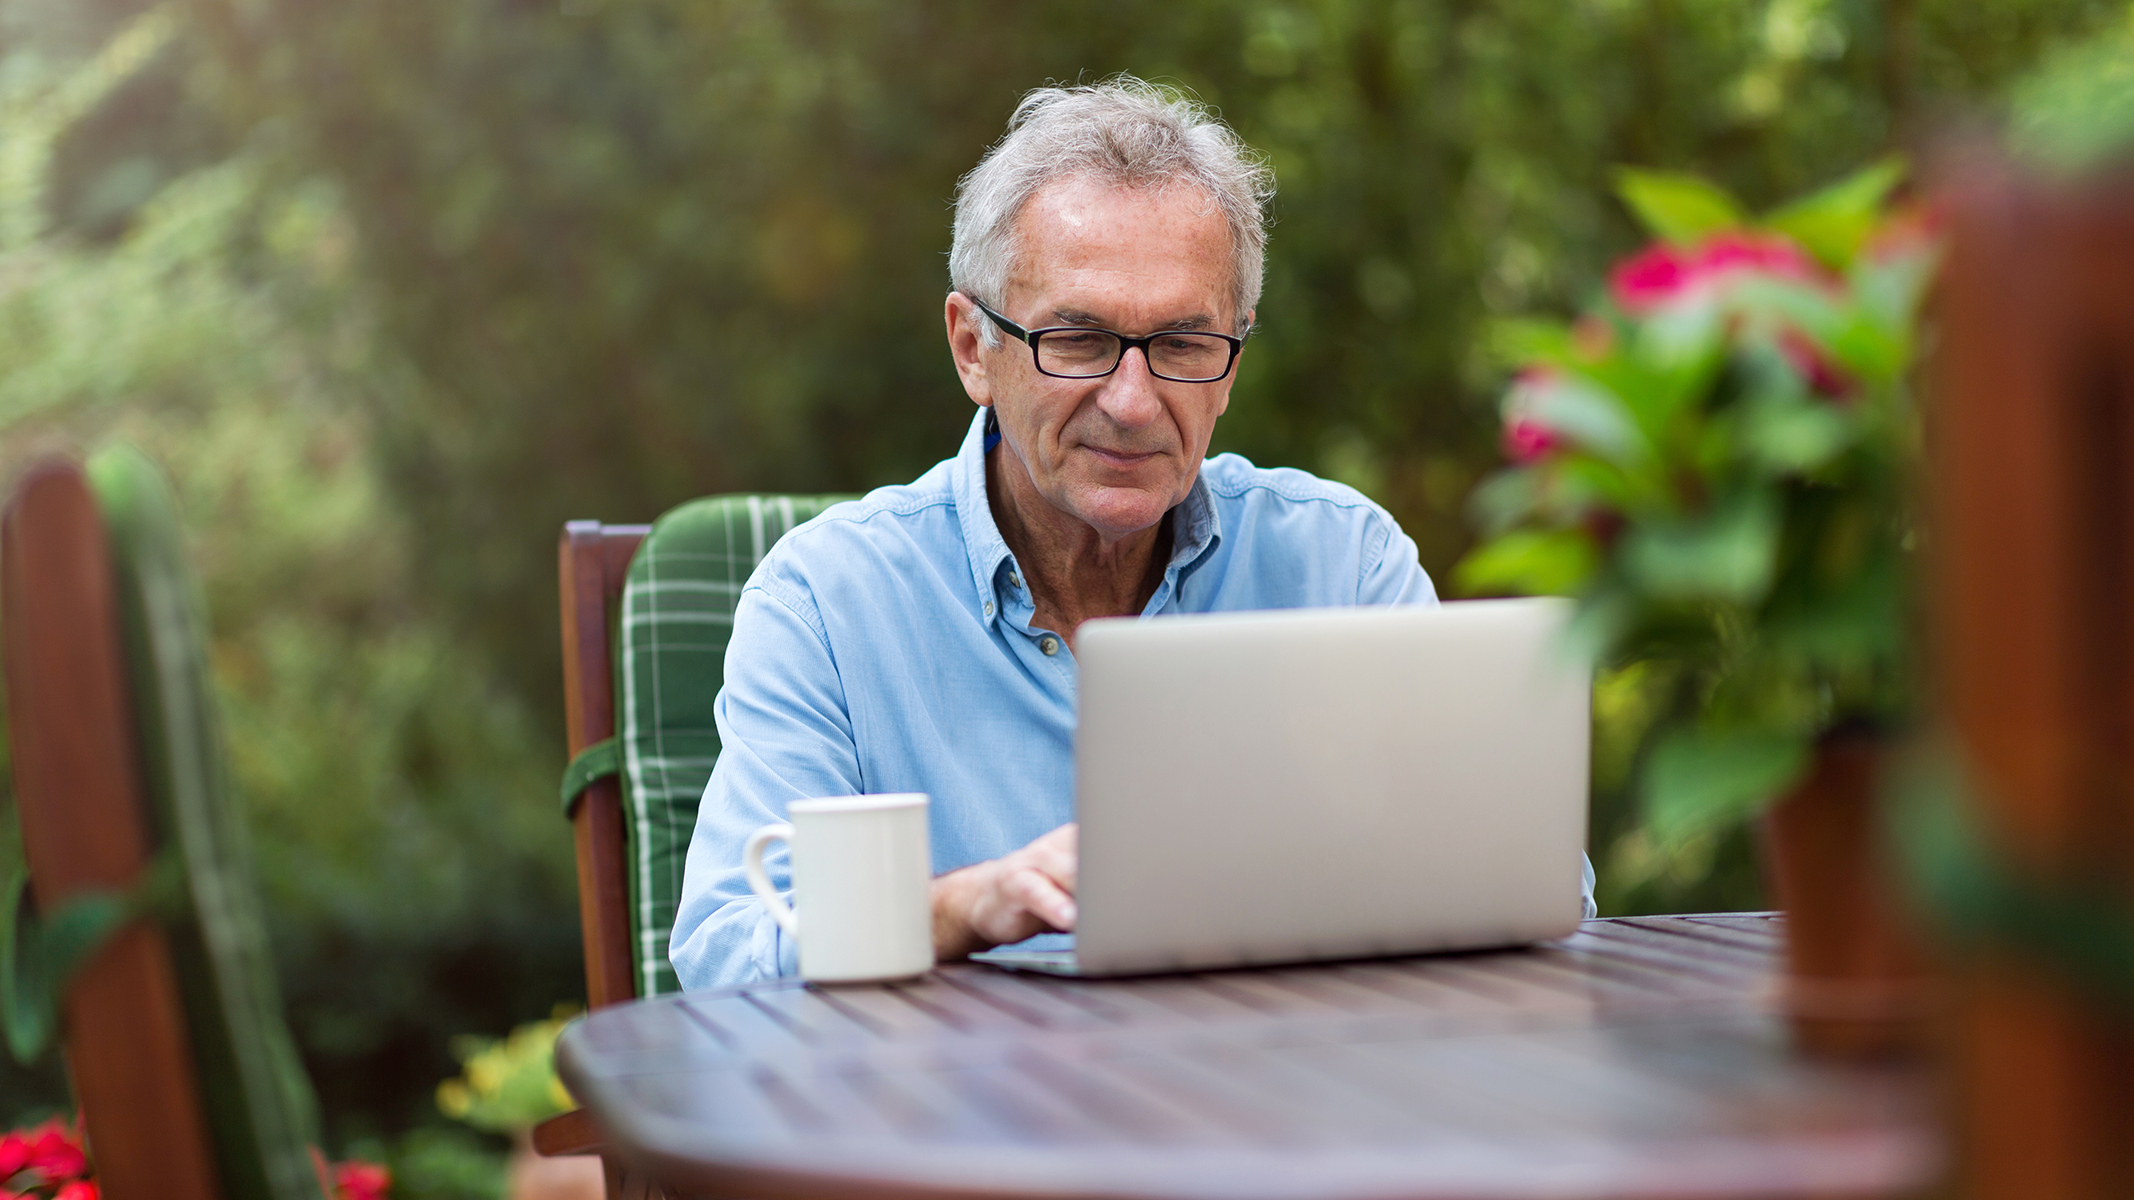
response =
{"points": [[1186, 357]]}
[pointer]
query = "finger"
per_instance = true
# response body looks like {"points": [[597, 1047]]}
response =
{"points": [[1059, 865], [1042, 898]]}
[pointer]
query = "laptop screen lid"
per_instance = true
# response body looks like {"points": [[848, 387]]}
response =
{"points": [[1328, 783]]}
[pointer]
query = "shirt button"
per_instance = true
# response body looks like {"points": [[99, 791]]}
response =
{"points": [[1014, 580], [1049, 644], [989, 608]]}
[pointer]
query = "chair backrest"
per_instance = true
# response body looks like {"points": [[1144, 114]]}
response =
{"points": [[646, 616], [188, 1080]]}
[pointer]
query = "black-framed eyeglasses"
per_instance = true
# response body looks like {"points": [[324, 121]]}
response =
{"points": [[1081, 352]]}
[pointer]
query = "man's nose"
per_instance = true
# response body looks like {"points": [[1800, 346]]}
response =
{"points": [[1129, 393]]}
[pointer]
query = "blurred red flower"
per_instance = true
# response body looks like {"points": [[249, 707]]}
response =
{"points": [[79, 1189], [1526, 439], [1666, 273], [14, 1156], [361, 1181], [56, 1153], [1823, 375], [49, 1154]]}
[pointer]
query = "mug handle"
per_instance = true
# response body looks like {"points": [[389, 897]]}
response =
{"points": [[760, 883]]}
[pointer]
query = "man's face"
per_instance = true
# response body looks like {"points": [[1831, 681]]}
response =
{"points": [[1115, 453]]}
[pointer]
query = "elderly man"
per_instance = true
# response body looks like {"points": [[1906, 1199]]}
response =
{"points": [[1106, 262]]}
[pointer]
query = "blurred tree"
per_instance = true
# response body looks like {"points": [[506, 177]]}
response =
{"points": [[397, 287], [417, 884]]}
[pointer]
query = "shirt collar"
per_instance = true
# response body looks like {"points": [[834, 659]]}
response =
{"points": [[981, 537], [1195, 528]]}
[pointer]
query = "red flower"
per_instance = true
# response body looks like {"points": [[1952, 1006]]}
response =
{"points": [[361, 1181], [14, 1154], [1665, 274], [79, 1189], [54, 1154], [1526, 439]]}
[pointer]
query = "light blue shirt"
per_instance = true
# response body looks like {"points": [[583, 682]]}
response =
{"points": [[886, 646]]}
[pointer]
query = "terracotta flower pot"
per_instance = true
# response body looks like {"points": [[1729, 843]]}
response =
{"points": [[1856, 983], [530, 1176]]}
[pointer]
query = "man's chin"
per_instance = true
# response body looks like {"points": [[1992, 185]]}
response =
{"points": [[1122, 511]]}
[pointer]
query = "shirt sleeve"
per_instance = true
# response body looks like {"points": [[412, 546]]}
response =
{"points": [[1395, 574], [785, 734]]}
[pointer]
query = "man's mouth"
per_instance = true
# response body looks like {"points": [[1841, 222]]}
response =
{"points": [[1121, 458]]}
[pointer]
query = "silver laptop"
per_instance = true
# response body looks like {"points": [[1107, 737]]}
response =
{"points": [[1324, 783]]}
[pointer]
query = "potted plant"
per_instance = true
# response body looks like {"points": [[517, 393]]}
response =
{"points": [[1717, 460], [508, 1086]]}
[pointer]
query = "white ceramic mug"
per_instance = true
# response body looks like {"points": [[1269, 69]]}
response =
{"points": [[861, 870]]}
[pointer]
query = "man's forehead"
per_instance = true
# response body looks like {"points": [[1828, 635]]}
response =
{"points": [[1167, 245]]}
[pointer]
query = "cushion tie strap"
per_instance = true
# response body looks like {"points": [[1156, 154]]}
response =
{"points": [[40, 955], [597, 761]]}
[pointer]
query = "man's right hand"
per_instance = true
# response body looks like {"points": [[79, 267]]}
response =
{"points": [[1008, 898]]}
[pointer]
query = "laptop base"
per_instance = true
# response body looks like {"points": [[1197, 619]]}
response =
{"points": [[1043, 962]]}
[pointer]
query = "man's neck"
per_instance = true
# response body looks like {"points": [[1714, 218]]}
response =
{"points": [[1072, 572]]}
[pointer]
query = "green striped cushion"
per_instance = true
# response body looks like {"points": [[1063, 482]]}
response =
{"points": [[677, 614], [260, 1108]]}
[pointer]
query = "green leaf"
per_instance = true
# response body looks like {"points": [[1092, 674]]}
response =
{"points": [[1852, 335], [1682, 338], [1728, 553], [1528, 562], [1504, 499], [1590, 416], [1680, 208], [1890, 289], [1697, 781], [1604, 614], [1794, 435], [1833, 224]]}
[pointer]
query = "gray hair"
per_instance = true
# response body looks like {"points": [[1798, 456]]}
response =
{"points": [[1124, 131]]}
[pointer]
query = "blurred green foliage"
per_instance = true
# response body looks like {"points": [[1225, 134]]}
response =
{"points": [[2077, 112], [509, 1084], [394, 288]]}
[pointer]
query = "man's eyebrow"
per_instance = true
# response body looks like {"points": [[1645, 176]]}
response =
{"points": [[1076, 316]]}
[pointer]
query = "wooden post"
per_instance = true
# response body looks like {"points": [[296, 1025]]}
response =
{"points": [[2031, 436]]}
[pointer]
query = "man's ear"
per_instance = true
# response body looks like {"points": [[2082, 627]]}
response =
{"points": [[964, 346]]}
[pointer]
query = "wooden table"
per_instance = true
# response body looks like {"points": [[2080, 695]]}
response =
{"points": [[1637, 1057]]}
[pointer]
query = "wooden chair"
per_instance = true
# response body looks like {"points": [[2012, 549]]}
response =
{"points": [[640, 758], [186, 1075], [646, 613]]}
